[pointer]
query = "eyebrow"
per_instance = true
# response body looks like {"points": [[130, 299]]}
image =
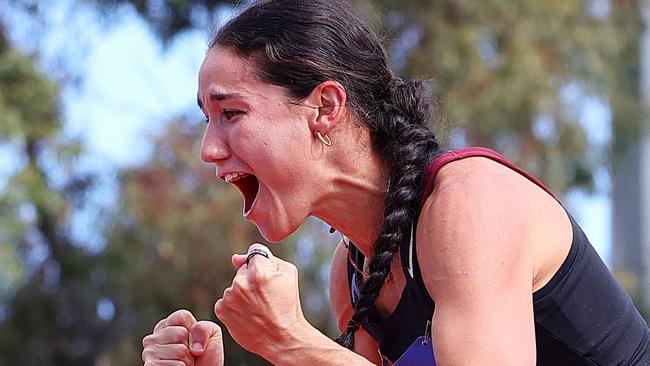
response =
{"points": [[220, 97]]}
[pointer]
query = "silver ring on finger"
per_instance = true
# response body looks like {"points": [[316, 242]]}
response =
{"points": [[255, 251]]}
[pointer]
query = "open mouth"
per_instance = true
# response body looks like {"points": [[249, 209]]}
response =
{"points": [[248, 185]]}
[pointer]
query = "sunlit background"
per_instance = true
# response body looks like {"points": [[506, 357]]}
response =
{"points": [[109, 221]]}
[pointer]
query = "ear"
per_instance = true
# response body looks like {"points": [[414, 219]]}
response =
{"points": [[329, 99]]}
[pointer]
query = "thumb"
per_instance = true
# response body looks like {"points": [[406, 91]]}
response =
{"points": [[205, 338], [213, 354], [238, 260]]}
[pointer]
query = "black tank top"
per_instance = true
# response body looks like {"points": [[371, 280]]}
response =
{"points": [[582, 316]]}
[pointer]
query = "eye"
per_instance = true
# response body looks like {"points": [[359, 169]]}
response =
{"points": [[230, 113]]}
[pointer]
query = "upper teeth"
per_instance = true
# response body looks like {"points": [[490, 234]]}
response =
{"points": [[231, 177]]}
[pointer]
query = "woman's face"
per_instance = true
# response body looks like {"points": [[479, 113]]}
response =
{"points": [[258, 141]]}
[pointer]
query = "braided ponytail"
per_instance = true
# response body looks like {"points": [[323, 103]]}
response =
{"points": [[404, 141], [299, 44]]}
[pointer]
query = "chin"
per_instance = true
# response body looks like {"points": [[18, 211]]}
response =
{"points": [[275, 232], [273, 235]]}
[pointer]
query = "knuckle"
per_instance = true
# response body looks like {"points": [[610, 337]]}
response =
{"points": [[178, 334], [257, 278], [146, 355], [182, 353], [242, 281], [182, 314], [240, 284], [217, 330], [218, 308], [160, 324], [181, 317], [227, 292], [147, 341], [226, 298]]}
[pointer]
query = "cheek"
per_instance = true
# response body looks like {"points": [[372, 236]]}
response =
{"points": [[277, 149], [278, 144]]}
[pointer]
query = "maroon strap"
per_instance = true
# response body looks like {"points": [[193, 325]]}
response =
{"points": [[469, 152]]}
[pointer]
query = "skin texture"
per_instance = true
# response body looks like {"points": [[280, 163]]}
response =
{"points": [[497, 235], [274, 138], [487, 237], [180, 340], [252, 130]]}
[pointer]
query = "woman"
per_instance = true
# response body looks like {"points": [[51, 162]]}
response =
{"points": [[305, 118]]}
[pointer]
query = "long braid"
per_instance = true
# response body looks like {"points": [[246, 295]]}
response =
{"points": [[405, 142]]}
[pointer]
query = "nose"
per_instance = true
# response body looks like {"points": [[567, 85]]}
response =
{"points": [[214, 147]]}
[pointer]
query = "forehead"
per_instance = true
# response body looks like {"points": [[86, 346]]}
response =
{"points": [[225, 72], [222, 66]]}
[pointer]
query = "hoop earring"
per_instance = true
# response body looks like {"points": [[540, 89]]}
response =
{"points": [[324, 139]]}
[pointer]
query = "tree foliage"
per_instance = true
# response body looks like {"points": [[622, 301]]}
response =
{"points": [[516, 75], [168, 18], [48, 299]]}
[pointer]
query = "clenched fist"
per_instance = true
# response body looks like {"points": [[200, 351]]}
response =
{"points": [[261, 309], [181, 340]]}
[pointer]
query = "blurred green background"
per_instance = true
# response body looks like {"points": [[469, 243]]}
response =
{"points": [[109, 221]]}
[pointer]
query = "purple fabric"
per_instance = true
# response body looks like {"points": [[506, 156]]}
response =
{"points": [[420, 353]]}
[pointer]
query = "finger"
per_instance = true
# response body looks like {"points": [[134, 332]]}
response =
{"points": [[170, 352], [200, 333], [167, 335], [259, 260], [213, 350], [219, 309], [180, 317], [238, 260]]}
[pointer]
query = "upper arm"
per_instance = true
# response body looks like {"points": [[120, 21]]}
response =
{"points": [[364, 344], [477, 266]]}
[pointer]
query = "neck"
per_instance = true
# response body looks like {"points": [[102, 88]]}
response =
{"points": [[353, 203]]}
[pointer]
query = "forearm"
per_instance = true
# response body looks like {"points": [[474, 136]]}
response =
{"points": [[311, 347]]}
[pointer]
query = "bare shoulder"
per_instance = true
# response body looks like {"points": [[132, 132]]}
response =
{"points": [[477, 262], [474, 175], [476, 222], [475, 186]]}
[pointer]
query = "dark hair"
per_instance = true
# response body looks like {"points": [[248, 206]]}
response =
{"points": [[298, 44]]}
